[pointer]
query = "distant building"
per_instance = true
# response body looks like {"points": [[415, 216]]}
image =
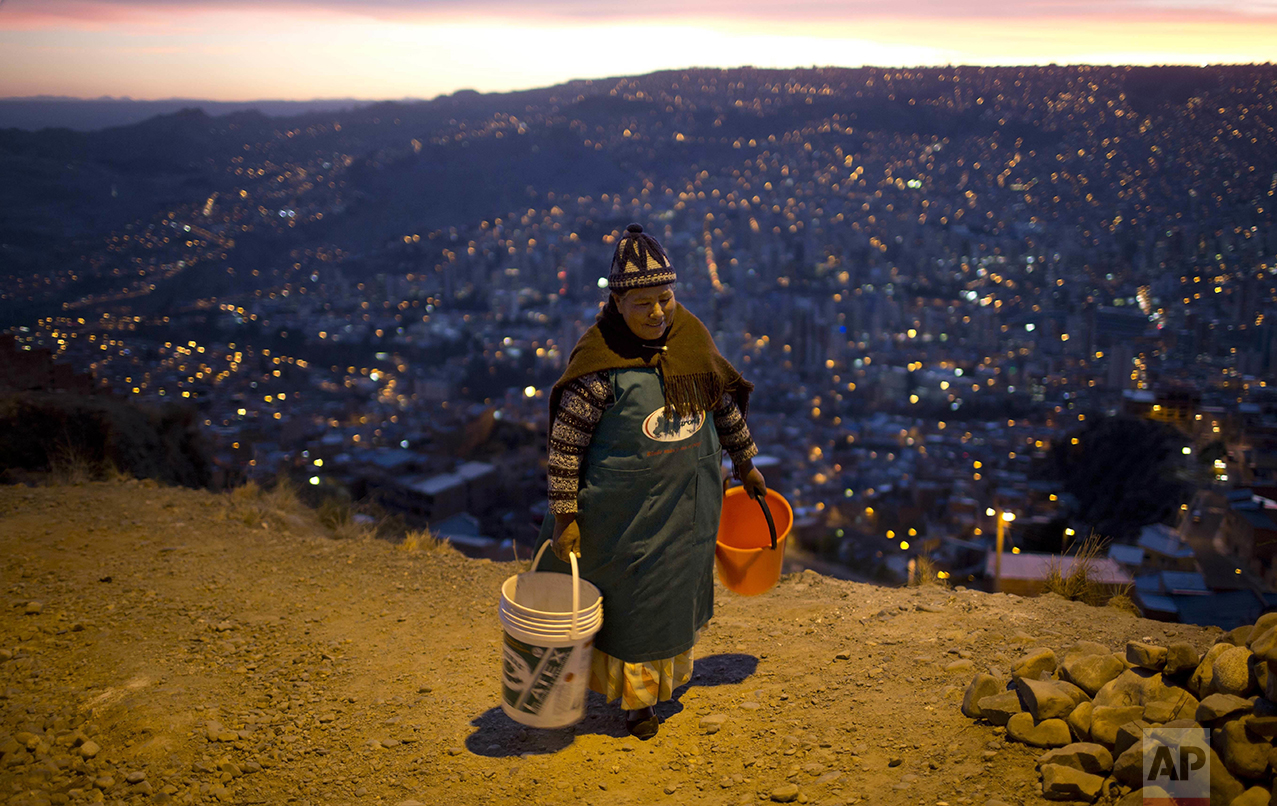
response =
{"points": [[1164, 550], [470, 487], [463, 532], [1130, 557], [1025, 574], [1250, 530]]}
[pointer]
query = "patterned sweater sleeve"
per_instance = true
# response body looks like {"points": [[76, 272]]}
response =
{"points": [[580, 408], [733, 433]]}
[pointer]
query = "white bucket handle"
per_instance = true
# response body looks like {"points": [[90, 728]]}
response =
{"points": [[574, 634]]}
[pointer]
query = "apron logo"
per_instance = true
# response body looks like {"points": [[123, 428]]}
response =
{"points": [[656, 427]]}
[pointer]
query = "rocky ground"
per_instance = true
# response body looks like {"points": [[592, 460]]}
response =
{"points": [[169, 645]]}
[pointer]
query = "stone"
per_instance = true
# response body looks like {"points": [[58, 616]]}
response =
{"points": [[999, 708], [1080, 721], [1146, 656], [1084, 648], [1218, 706], [1181, 658], [1230, 673], [785, 793], [1180, 701], [981, 686], [90, 749], [1201, 680], [959, 666], [1091, 672], [1137, 797], [1224, 786], [1255, 796], [1264, 646], [1131, 733], [1263, 727], [1066, 783], [1085, 756], [33, 608], [1047, 733], [1262, 624], [1161, 711], [135, 777], [1238, 636], [1138, 687], [1258, 672], [1034, 664], [1105, 720], [1044, 699], [1128, 767], [1244, 756], [713, 723], [1079, 696]]}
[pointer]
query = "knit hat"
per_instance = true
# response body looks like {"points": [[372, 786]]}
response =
{"points": [[639, 262]]}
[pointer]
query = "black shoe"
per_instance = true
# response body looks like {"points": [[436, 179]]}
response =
{"points": [[642, 723]]}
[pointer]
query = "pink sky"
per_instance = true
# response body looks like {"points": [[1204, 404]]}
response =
{"points": [[370, 49]]}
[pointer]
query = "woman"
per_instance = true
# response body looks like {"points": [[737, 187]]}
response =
{"points": [[634, 476]]}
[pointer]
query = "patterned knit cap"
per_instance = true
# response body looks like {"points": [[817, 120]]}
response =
{"points": [[639, 262]]}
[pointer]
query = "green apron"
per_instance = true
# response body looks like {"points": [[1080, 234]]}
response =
{"points": [[649, 503]]}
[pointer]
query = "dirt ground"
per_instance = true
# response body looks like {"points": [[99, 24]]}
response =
{"points": [[174, 646]]}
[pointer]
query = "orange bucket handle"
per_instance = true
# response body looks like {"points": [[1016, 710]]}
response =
{"points": [[767, 513]]}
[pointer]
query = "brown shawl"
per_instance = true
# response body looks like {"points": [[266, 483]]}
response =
{"points": [[695, 375]]}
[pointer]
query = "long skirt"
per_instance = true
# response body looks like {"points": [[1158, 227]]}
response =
{"points": [[639, 685]]}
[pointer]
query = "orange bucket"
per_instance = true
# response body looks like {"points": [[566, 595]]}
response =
{"points": [[751, 541]]}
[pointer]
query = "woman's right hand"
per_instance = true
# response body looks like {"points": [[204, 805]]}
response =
{"points": [[567, 537]]}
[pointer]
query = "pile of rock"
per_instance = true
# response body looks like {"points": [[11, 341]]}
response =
{"points": [[1091, 708]]}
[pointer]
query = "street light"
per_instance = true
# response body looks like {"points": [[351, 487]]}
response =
{"points": [[1005, 518]]}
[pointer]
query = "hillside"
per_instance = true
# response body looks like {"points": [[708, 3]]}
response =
{"points": [[172, 646]]}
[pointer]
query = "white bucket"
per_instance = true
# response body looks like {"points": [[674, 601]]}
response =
{"points": [[585, 625], [548, 644]]}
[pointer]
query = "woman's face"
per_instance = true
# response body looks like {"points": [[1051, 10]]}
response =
{"points": [[647, 311]]}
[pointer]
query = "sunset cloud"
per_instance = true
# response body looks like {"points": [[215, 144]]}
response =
{"points": [[239, 50]]}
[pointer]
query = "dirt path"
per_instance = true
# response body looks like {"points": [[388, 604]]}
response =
{"points": [[161, 645]]}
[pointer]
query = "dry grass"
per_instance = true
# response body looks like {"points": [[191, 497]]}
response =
{"points": [[281, 507], [71, 464], [1080, 584], [1122, 601], [927, 575], [256, 507], [344, 521], [426, 541]]}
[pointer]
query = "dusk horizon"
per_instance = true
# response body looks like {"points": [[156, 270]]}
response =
{"points": [[371, 99], [378, 49]]}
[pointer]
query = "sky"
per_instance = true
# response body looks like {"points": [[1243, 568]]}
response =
{"points": [[236, 50]]}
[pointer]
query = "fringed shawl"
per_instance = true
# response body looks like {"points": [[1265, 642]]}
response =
{"points": [[694, 374]]}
